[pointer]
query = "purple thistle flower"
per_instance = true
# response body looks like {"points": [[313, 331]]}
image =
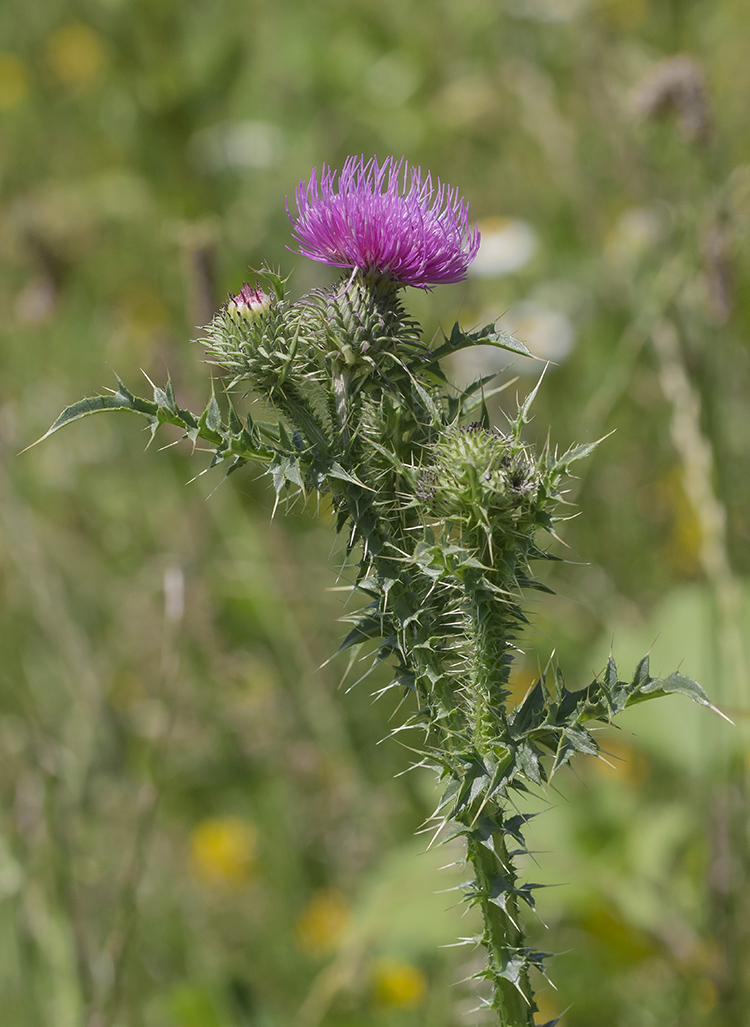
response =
{"points": [[385, 219]]}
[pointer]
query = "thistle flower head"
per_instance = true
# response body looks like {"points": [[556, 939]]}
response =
{"points": [[249, 302], [385, 219]]}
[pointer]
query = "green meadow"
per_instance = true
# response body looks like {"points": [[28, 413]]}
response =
{"points": [[200, 822]]}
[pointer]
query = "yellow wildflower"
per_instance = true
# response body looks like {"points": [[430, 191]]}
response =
{"points": [[224, 852], [76, 54], [14, 81], [397, 983], [323, 921]]}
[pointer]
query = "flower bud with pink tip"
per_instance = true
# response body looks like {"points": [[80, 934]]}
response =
{"points": [[249, 303]]}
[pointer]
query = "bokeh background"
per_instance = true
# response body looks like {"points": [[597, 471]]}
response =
{"points": [[198, 826]]}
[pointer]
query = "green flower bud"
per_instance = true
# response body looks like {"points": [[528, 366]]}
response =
{"points": [[482, 471]]}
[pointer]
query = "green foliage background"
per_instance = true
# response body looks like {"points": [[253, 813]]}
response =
{"points": [[146, 149]]}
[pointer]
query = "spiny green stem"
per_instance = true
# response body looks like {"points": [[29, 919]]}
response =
{"points": [[494, 891]]}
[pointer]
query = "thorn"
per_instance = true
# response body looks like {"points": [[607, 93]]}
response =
{"points": [[715, 709]]}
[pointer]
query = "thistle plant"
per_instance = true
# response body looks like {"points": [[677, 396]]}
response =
{"points": [[445, 517]]}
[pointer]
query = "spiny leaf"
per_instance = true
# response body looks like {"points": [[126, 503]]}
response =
{"points": [[335, 470], [285, 469], [213, 414], [530, 712], [487, 336], [522, 417], [98, 404], [165, 397], [514, 967], [675, 683], [275, 280], [528, 760], [574, 453]]}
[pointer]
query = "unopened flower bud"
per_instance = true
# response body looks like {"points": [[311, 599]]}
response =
{"points": [[249, 303]]}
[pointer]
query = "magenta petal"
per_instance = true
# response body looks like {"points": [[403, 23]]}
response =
{"points": [[386, 219]]}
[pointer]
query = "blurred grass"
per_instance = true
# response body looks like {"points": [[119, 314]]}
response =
{"points": [[145, 153]]}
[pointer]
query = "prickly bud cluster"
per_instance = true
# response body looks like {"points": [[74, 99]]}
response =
{"points": [[486, 482], [363, 323], [256, 337]]}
